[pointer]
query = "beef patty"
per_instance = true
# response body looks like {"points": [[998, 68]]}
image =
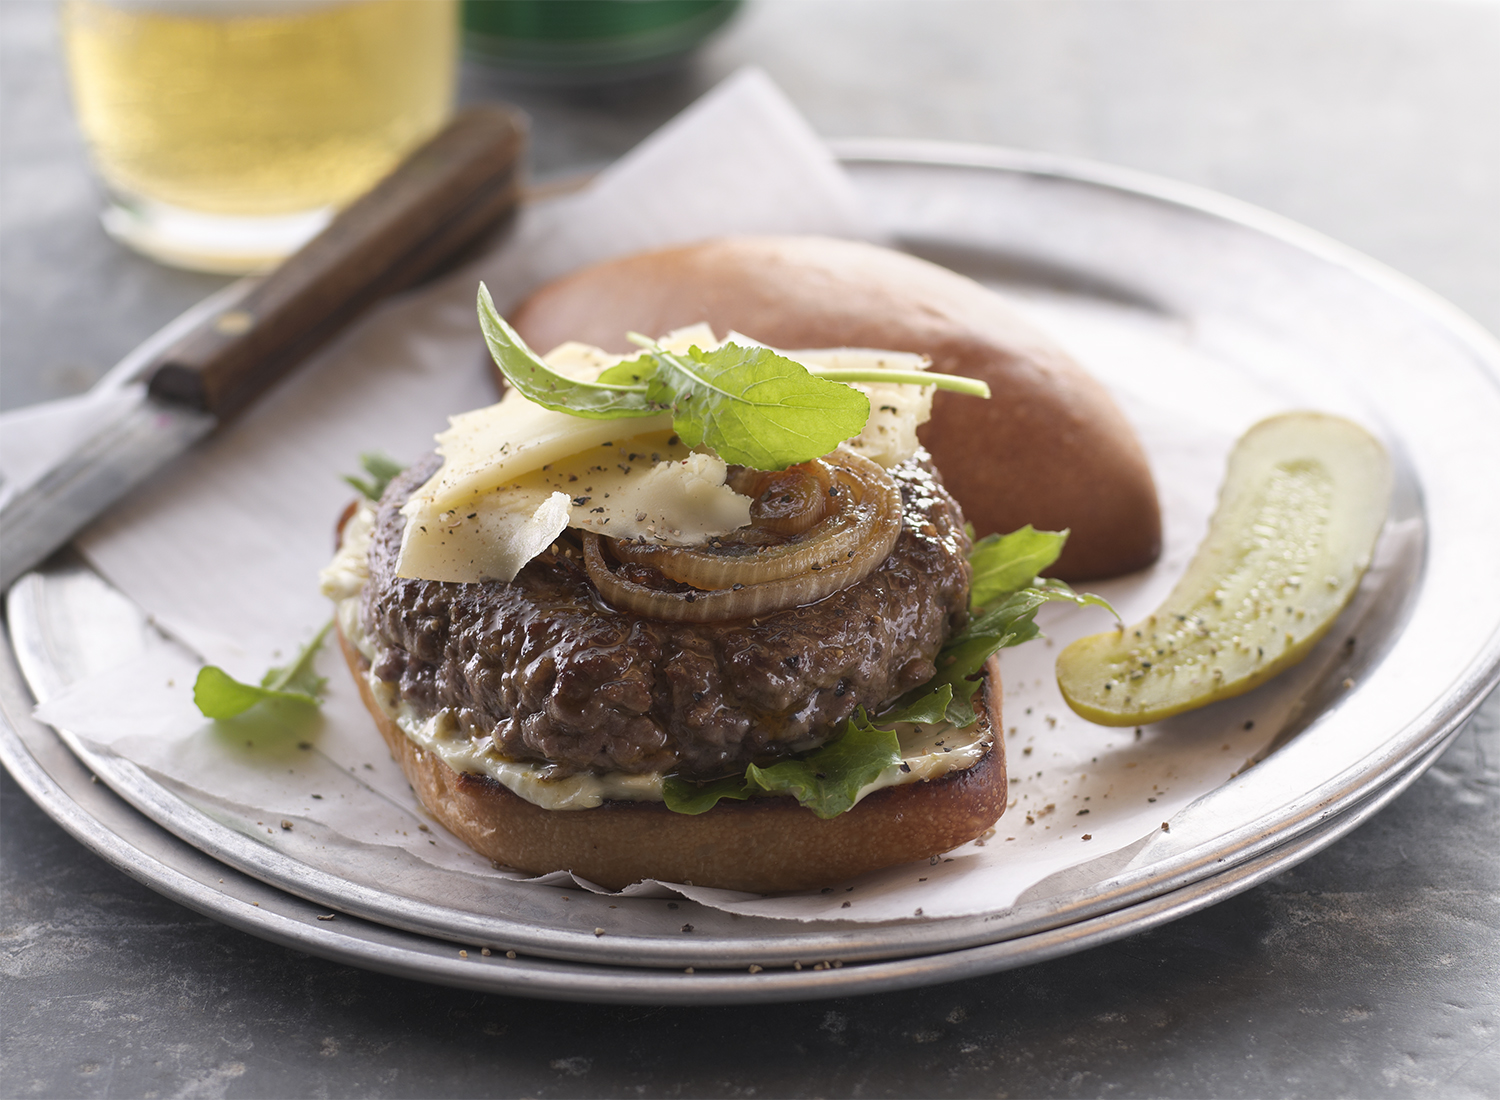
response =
{"points": [[551, 673]]}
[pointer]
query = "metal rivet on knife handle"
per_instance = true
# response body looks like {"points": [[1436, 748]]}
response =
{"points": [[234, 322], [429, 212]]}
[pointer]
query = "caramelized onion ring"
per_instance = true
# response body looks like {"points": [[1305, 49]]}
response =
{"points": [[787, 502], [860, 508], [736, 580]]}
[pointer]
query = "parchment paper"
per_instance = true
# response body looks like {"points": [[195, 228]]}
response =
{"points": [[222, 551]]}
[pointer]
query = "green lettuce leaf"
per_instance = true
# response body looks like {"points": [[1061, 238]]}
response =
{"points": [[219, 695], [683, 796], [381, 468], [926, 710], [829, 779], [826, 780]]}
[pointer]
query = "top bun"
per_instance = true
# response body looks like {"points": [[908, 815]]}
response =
{"points": [[1050, 448]]}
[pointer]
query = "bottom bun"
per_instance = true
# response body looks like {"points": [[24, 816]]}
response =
{"points": [[762, 845]]}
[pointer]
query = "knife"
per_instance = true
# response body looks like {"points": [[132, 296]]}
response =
{"points": [[426, 216]]}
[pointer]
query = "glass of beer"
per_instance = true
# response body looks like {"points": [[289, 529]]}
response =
{"points": [[229, 131]]}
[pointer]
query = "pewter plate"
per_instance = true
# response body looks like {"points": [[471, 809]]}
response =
{"points": [[1291, 311], [59, 782]]}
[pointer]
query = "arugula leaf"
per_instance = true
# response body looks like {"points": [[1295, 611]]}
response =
{"points": [[524, 370], [956, 383], [381, 468], [753, 407], [683, 796], [630, 372], [299, 677], [1005, 564], [219, 695], [1010, 622], [959, 663], [1060, 590], [1004, 598], [828, 780]]}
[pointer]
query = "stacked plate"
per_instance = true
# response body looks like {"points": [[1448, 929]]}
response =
{"points": [[1138, 268]]}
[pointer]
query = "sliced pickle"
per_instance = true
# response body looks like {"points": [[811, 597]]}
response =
{"points": [[1302, 503]]}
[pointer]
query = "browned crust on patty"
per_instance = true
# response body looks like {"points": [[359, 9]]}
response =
{"points": [[552, 675], [1050, 448], [763, 845]]}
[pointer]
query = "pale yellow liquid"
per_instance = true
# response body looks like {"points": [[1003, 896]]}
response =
{"points": [[257, 109]]}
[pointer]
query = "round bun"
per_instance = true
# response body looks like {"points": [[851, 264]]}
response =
{"points": [[1050, 448], [762, 845]]}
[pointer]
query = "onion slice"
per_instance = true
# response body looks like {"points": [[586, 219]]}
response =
{"points": [[738, 579]]}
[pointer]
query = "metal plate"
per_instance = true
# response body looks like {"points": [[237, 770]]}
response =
{"points": [[1065, 232], [94, 815]]}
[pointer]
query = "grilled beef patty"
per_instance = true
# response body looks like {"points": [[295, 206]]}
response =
{"points": [[553, 674]]}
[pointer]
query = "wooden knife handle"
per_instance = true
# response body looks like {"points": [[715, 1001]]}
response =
{"points": [[426, 214]]}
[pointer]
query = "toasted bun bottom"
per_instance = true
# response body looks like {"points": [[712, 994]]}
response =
{"points": [[762, 845]]}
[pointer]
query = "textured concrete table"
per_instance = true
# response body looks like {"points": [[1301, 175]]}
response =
{"points": [[1369, 970]]}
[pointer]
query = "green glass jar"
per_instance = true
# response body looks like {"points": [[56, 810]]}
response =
{"points": [[586, 41]]}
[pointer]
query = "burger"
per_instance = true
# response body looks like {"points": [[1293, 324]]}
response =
{"points": [[699, 611]]}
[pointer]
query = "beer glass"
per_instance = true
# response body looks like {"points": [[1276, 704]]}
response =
{"points": [[227, 132]]}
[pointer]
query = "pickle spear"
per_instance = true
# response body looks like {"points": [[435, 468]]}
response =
{"points": [[1302, 503]]}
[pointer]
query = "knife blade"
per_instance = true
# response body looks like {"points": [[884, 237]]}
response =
{"points": [[124, 451], [427, 215]]}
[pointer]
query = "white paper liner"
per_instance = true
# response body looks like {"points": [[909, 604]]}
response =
{"points": [[223, 550]]}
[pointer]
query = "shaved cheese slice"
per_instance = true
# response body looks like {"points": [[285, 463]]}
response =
{"points": [[486, 544], [649, 487], [515, 475], [487, 447], [896, 409]]}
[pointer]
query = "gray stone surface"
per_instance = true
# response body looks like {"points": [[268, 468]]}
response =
{"points": [[1369, 970]]}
